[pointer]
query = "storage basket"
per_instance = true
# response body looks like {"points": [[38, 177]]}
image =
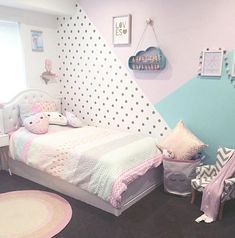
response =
{"points": [[178, 175]]}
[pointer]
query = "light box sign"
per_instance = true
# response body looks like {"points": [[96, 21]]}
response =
{"points": [[152, 59]]}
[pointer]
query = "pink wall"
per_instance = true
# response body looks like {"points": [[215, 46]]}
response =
{"points": [[183, 27]]}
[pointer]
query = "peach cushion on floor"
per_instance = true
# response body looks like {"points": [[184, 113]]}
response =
{"points": [[182, 142]]}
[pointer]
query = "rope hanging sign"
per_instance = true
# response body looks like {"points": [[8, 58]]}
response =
{"points": [[152, 59]]}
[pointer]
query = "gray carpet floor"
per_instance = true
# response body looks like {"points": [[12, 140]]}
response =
{"points": [[158, 215]]}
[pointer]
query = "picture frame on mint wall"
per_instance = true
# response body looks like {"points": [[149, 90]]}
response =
{"points": [[121, 29], [233, 69], [212, 62]]}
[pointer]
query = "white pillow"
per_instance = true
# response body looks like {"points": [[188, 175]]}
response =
{"points": [[56, 118], [73, 120]]}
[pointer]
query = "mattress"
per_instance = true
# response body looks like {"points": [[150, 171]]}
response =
{"points": [[99, 160]]}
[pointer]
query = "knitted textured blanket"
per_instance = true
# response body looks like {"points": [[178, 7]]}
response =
{"points": [[213, 191]]}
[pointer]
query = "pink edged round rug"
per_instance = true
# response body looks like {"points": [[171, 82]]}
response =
{"points": [[33, 214]]}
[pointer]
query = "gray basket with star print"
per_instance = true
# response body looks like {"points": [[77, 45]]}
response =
{"points": [[178, 175]]}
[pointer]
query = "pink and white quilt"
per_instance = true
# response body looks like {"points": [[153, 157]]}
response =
{"points": [[98, 160]]}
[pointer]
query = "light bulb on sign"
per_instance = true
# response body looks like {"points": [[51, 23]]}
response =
{"points": [[149, 21]]}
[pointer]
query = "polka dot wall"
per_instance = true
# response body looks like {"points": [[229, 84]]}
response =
{"points": [[96, 86]]}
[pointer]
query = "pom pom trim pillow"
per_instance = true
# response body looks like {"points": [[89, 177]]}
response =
{"points": [[182, 142], [46, 106]]}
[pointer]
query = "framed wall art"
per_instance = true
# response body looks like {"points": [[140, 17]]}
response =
{"points": [[122, 30], [37, 40], [233, 69], [212, 61]]}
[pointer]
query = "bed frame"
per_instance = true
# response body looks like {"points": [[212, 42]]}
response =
{"points": [[135, 191]]}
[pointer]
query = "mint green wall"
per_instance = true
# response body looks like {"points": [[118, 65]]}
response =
{"points": [[207, 106]]}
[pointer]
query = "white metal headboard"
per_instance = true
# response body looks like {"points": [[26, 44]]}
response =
{"points": [[10, 111]]}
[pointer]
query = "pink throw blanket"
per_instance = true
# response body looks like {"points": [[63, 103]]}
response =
{"points": [[213, 191]]}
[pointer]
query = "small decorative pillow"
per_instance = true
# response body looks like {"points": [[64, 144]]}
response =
{"points": [[165, 153], [46, 106], [37, 124], [27, 110], [182, 142], [56, 118], [73, 120]]}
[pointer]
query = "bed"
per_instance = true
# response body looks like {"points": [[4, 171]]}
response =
{"points": [[111, 187]]}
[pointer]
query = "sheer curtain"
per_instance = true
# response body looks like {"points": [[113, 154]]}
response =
{"points": [[12, 68]]}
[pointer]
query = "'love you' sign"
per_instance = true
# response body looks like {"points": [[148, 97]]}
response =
{"points": [[121, 30]]}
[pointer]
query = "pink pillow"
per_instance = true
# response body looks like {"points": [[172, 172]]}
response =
{"points": [[37, 124], [182, 142], [46, 106]]}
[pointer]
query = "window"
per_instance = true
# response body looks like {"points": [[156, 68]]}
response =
{"points": [[12, 70]]}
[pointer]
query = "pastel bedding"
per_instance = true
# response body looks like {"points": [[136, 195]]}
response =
{"points": [[100, 161]]}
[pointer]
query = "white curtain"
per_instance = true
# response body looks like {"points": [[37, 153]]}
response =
{"points": [[12, 68]]}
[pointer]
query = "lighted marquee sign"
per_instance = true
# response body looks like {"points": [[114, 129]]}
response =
{"points": [[150, 59]]}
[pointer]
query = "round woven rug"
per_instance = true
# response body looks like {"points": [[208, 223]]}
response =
{"points": [[32, 214]]}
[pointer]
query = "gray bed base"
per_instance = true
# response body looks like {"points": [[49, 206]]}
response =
{"points": [[136, 190]]}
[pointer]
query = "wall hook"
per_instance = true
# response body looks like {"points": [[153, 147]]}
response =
{"points": [[149, 21]]}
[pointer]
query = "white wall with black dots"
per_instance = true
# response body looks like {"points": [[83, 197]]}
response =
{"points": [[96, 86]]}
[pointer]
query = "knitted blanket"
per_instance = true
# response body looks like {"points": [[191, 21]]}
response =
{"points": [[213, 191]]}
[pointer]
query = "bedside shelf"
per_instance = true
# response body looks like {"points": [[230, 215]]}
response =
{"points": [[4, 140]]}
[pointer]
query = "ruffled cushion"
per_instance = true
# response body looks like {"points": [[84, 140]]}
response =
{"points": [[182, 142]]}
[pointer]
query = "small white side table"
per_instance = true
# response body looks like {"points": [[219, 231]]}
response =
{"points": [[4, 141]]}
